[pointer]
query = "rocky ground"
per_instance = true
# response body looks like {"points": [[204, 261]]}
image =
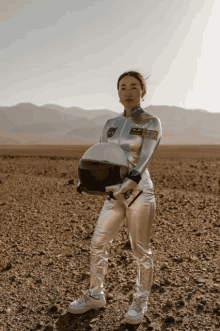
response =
{"points": [[45, 234]]}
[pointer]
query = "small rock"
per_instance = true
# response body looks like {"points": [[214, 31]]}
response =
{"points": [[156, 315], [169, 319], [166, 282], [164, 267], [169, 303], [200, 281], [53, 309], [178, 260], [38, 281], [200, 306], [109, 296], [8, 267], [71, 181], [48, 328], [129, 286], [127, 245], [190, 294], [155, 286], [161, 290], [85, 249], [181, 303], [12, 279], [42, 253], [39, 325], [203, 302], [21, 308], [50, 263], [85, 276], [148, 320]]}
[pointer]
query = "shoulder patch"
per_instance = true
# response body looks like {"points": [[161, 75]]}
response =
{"points": [[111, 132], [151, 134], [144, 118], [136, 131]]}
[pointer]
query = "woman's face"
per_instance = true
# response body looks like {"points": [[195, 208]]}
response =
{"points": [[130, 92]]}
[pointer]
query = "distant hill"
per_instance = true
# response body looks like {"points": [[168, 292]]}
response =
{"points": [[26, 123]]}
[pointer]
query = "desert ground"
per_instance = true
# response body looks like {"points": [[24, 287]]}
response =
{"points": [[46, 230]]}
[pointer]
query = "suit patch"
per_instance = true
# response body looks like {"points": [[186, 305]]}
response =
{"points": [[136, 131], [111, 132], [151, 134]]}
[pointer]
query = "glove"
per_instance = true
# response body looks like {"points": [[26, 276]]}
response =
{"points": [[120, 191], [79, 188]]}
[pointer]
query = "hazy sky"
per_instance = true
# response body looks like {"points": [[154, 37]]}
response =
{"points": [[71, 52]]}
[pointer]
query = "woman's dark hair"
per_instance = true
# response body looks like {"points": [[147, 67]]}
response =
{"points": [[138, 76]]}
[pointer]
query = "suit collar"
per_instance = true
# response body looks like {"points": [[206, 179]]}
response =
{"points": [[136, 112]]}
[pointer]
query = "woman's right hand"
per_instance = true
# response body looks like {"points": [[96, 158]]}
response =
{"points": [[113, 188]]}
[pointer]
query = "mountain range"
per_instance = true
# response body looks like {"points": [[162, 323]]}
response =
{"points": [[27, 123]]}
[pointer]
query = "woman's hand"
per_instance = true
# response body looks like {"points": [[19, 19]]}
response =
{"points": [[79, 188], [113, 188], [119, 190]]}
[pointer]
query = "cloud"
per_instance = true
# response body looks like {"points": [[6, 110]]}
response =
{"points": [[8, 8]]}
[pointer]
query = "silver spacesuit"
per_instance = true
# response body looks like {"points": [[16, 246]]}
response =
{"points": [[139, 136]]}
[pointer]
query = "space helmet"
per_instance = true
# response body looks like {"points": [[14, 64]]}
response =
{"points": [[102, 165]]}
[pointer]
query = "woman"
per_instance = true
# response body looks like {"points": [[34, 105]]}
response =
{"points": [[138, 133]]}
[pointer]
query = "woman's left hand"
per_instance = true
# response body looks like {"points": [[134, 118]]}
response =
{"points": [[118, 191]]}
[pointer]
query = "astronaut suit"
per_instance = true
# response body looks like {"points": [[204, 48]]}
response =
{"points": [[139, 137]]}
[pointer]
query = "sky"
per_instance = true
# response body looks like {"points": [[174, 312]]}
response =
{"points": [[71, 52]]}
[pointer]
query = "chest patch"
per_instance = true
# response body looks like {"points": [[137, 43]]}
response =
{"points": [[111, 132], [151, 134], [136, 131]]}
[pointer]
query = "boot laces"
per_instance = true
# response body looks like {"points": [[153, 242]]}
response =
{"points": [[86, 297], [136, 304]]}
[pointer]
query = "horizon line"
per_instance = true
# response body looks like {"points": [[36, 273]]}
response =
{"points": [[103, 108]]}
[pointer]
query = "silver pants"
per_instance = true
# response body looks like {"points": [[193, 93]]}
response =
{"points": [[139, 219]]}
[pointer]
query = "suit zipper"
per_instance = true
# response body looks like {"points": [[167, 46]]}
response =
{"points": [[119, 139]]}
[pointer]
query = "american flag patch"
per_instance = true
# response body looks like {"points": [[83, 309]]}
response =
{"points": [[151, 134], [136, 131]]}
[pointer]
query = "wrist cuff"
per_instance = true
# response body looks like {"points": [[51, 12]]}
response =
{"points": [[134, 175]]}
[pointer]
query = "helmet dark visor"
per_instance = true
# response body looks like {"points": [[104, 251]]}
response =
{"points": [[96, 175], [104, 164]]}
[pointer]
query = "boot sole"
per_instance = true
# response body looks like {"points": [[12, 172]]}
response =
{"points": [[133, 322], [85, 309]]}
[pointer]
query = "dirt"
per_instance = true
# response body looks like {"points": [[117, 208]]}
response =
{"points": [[46, 230]]}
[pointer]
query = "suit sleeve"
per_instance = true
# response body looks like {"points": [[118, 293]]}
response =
{"points": [[152, 134]]}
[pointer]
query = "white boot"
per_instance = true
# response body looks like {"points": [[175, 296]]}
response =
{"points": [[86, 302], [137, 310]]}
